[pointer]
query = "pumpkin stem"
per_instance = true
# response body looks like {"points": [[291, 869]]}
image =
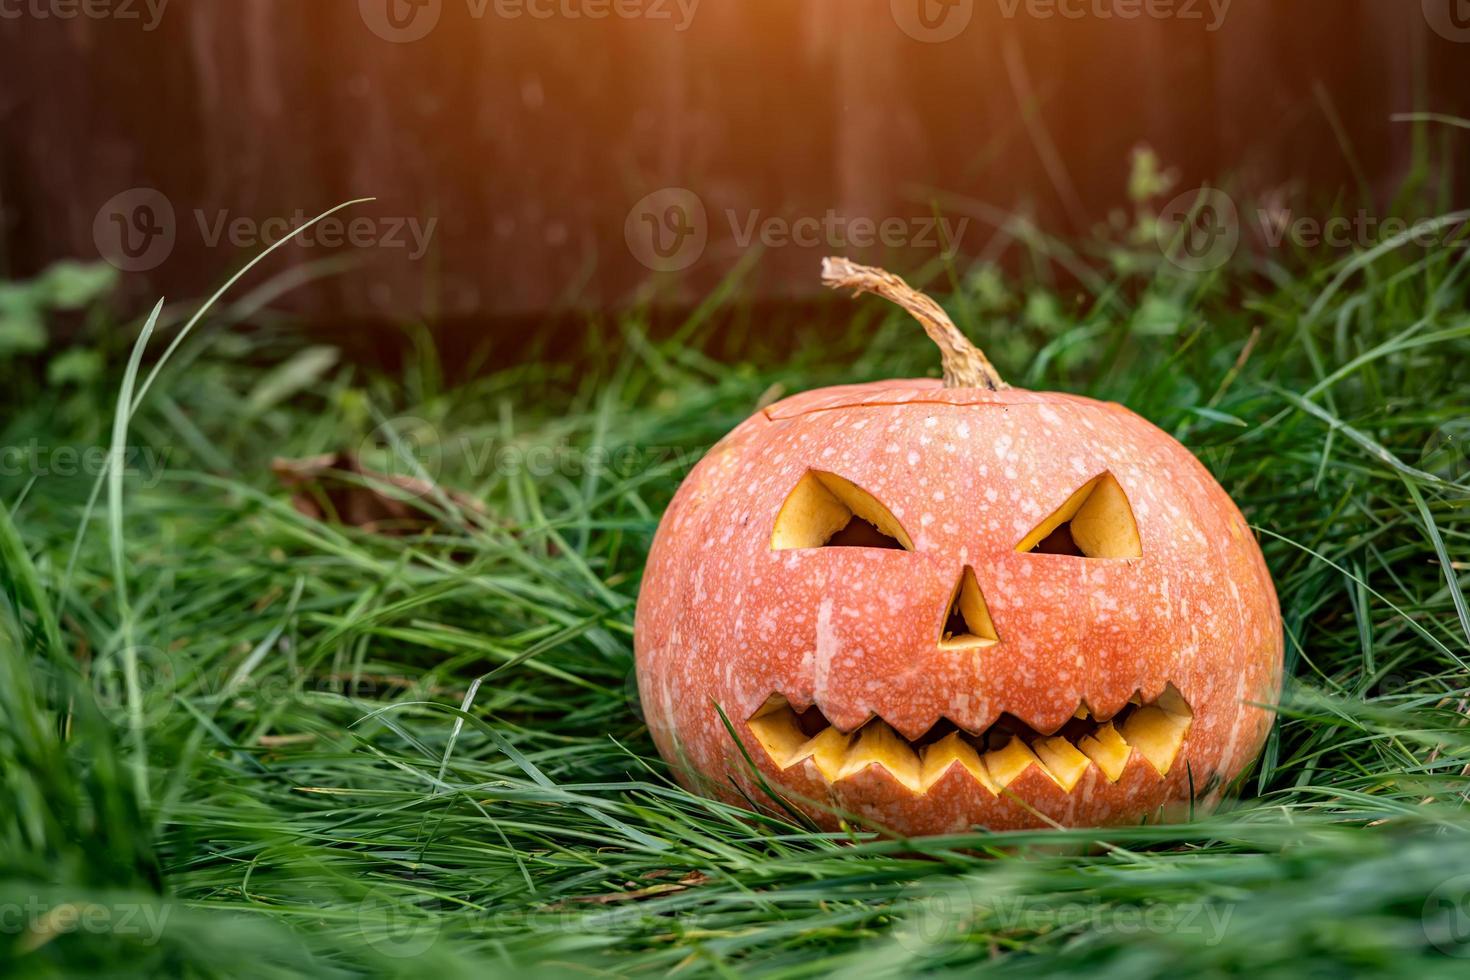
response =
{"points": [[965, 365]]}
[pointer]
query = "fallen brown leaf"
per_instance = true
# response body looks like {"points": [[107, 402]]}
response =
{"points": [[336, 487], [277, 741], [690, 880]]}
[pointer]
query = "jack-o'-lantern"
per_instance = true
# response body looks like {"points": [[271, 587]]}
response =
{"points": [[931, 606]]}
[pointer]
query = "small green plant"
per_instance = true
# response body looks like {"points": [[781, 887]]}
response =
{"points": [[26, 306]]}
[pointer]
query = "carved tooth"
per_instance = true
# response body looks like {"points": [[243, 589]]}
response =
{"points": [[946, 752], [880, 744], [1173, 702], [1061, 760], [1108, 750], [1156, 729], [773, 704], [828, 750], [1156, 734], [1152, 691], [1005, 764], [779, 734]]}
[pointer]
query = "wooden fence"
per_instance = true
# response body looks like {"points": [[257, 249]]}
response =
{"points": [[509, 142]]}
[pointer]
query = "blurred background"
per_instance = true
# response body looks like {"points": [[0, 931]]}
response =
{"points": [[541, 158]]}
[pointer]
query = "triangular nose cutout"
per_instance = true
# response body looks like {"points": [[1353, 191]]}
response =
{"points": [[967, 623]]}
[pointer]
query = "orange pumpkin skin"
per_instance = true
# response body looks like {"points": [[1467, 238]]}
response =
{"points": [[724, 620]]}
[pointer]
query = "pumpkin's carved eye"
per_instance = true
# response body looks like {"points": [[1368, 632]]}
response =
{"points": [[1095, 522], [826, 510]]}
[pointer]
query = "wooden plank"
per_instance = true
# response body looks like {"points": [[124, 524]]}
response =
{"points": [[527, 141]]}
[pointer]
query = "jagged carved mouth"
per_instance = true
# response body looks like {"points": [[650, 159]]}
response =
{"points": [[995, 757]]}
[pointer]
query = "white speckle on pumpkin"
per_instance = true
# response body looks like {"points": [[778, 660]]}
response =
{"points": [[827, 645]]}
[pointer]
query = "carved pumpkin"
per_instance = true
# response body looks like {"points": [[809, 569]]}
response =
{"points": [[931, 606]]}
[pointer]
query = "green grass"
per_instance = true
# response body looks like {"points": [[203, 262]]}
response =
{"points": [[238, 741]]}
